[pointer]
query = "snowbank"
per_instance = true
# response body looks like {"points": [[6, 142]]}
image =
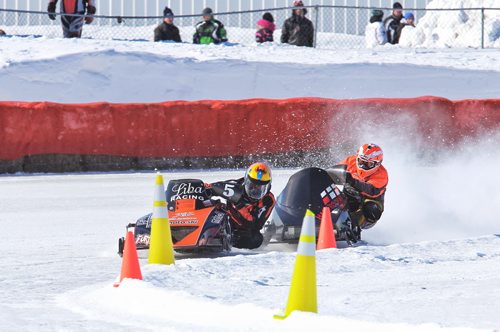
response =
{"points": [[458, 28], [76, 71]]}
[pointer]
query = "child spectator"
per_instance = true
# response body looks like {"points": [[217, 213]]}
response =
{"points": [[209, 30], [266, 29], [167, 31], [72, 25], [375, 33], [391, 23], [408, 21]]}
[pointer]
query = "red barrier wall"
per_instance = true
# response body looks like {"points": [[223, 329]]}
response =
{"points": [[222, 128]]}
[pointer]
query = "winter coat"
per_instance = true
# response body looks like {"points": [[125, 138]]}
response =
{"points": [[74, 6], [298, 30], [372, 186], [166, 31], [265, 33], [399, 30], [391, 24], [375, 34], [210, 32]]}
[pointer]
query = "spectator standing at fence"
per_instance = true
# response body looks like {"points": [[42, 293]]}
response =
{"points": [[210, 30], [167, 31], [375, 33], [391, 23], [73, 25], [408, 21], [298, 30], [265, 28]]}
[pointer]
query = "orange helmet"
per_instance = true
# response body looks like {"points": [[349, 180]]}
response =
{"points": [[258, 180], [369, 159]]}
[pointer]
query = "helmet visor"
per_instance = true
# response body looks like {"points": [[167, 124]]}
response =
{"points": [[256, 189], [365, 163]]}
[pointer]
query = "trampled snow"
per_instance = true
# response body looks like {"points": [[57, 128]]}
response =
{"points": [[431, 263], [59, 260]]}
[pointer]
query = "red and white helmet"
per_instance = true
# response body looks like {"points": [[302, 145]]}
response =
{"points": [[369, 159]]}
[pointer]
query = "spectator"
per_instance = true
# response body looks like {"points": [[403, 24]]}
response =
{"points": [[167, 31], [375, 33], [391, 23], [298, 30], [2, 33], [72, 25], [209, 30], [266, 29], [408, 20]]}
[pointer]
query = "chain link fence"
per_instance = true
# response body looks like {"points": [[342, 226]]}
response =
{"points": [[335, 27]]}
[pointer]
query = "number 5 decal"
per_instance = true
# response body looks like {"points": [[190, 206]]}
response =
{"points": [[228, 190]]}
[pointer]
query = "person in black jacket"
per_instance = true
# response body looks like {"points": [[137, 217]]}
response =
{"points": [[167, 31], [391, 23], [298, 30]]}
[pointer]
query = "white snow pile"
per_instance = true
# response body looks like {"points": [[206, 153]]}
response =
{"points": [[77, 71], [455, 28]]}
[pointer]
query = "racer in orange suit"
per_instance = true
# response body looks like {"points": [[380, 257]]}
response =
{"points": [[366, 184]]}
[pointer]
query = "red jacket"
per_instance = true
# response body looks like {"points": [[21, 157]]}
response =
{"points": [[372, 186]]}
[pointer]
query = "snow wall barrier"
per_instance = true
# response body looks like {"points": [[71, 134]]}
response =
{"points": [[50, 137]]}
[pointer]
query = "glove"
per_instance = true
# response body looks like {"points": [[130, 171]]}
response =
{"points": [[208, 189], [52, 9], [90, 11], [348, 178], [353, 197]]}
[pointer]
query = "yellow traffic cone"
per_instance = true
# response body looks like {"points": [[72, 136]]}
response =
{"points": [[302, 294], [161, 249]]}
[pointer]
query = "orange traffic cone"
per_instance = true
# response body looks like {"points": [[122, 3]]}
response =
{"points": [[130, 263], [326, 236]]}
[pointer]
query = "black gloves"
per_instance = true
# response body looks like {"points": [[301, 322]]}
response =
{"points": [[90, 11], [52, 9], [348, 178]]}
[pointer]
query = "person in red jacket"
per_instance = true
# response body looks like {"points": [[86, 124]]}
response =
{"points": [[72, 25], [366, 184]]}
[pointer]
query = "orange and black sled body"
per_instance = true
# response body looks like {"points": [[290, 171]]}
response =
{"points": [[197, 223]]}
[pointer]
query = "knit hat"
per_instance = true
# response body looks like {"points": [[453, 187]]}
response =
{"points": [[377, 13], [397, 5], [268, 17], [207, 12], [167, 12], [409, 15], [299, 3]]}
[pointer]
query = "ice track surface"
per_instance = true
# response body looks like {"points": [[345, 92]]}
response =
{"points": [[59, 262]]}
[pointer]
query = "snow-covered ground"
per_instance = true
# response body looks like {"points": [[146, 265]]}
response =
{"points": [[431, 263], [59, 261], [88, 70]]}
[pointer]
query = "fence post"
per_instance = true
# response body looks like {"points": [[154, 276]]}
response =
{"points": [[316, 27], [482, 27]]}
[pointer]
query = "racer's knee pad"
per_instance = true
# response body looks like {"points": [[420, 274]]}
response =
{"points": [[372, 211]]}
